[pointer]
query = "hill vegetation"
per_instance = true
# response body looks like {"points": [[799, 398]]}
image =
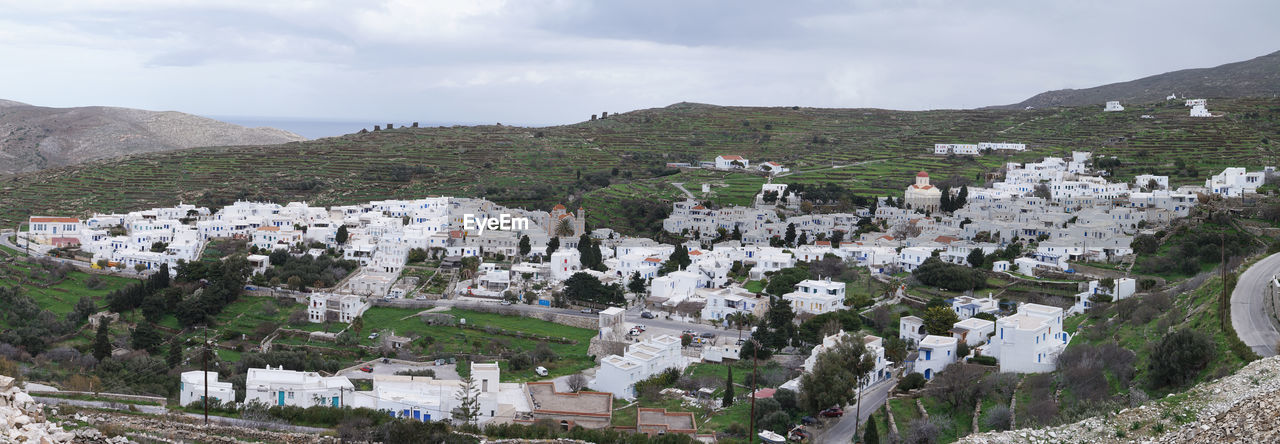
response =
{"points": [[1257, 77], [35, 137], [616, 167]]}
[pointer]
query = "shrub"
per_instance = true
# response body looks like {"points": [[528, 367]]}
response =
{"points": [[1179, 357], [911, 382], [999, 418], [983, 360]]}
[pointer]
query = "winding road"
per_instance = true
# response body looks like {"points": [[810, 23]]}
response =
{"points": [[1250, 316]]}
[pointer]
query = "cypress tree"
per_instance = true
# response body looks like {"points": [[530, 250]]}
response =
{"points": [[102, 342], [175, 353], [728, 388], [871, 436]]}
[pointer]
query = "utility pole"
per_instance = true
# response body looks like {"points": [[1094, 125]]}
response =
{"points": [[204, 358], [755, 361], [1223, 299]]}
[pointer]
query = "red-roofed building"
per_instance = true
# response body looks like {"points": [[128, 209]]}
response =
{"points": [[43, 227], [921, 195]]}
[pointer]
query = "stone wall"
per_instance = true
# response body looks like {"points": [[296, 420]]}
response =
{"points": [[601, 348]]}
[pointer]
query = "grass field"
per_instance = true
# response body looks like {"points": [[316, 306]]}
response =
{"points": [[60, 297]]}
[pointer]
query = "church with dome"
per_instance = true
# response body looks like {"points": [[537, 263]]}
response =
{"points": [[922, 196]]}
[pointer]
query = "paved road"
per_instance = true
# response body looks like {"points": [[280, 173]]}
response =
{"points": [[1249, 315], [874, 397], [680, 185]]}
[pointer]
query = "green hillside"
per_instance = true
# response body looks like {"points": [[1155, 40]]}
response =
{"points": [[538, 167]]}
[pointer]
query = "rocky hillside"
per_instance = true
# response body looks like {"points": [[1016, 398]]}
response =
{"points": [[1258, 77], [1241, 408], [34, 137]]}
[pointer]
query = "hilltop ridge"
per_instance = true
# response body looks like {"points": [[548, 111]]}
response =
{"points": [[1256, 77], [33, 138]]}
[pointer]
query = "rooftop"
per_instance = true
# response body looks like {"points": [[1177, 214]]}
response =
{"points": [[547, 400]]}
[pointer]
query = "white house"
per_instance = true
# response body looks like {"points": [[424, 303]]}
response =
{"points": [[998, 146], [726, 162], [334, 307], [910, 258], [974, 331], [1113, 105], [771, 168], [967, 306], [277, 386], [42, 229], [1031, 340], [725, 301], [911, 329], [935, 354], [1200, 111], [1145, 180], [1121, 289], [259, 263], [429, 399], [1000, 266], [1235, 182], [675, 286], [192, 388], [564, 263], [817, 297], [619, 374]]}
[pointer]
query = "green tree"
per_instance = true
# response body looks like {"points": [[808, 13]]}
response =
{"points": [[278, 257], [553, 244], [636, 284], [976, 258], [728, 388], [837, 376], [1179, 357], [939, 320], [790, 237], [803, 239], [468, 397], [342, 235], [174, 359], [564, 228], [837, 236], [145, 337], [102, 342], [357, 324], [587, 257], [680, 257], [871, 436], [524, 246]]}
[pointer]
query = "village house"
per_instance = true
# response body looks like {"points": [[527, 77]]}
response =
{"points": [[935, 353], [619, 374], [727, 162], [280, 387], [1029, 341], [817, 296], [193, 385]]}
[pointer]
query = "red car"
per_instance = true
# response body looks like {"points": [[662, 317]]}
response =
{"points": [[366, 369], [834, 412]]}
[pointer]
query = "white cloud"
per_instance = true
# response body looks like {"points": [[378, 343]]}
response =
{"points": [[558, 61]]}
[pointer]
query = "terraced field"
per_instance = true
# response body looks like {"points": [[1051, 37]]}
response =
{"points": [[538, 167]]}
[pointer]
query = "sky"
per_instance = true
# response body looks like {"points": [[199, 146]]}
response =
{"points": [[550, 62]]}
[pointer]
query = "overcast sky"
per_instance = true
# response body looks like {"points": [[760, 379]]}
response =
{"points": [[539, 62]]}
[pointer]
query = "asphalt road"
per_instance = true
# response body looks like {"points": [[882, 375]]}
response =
{"points": [[1249, 315], [844, 430]]}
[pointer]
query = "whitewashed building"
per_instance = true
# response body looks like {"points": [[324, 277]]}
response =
{"points": [[817, 297], [619, 374], [192, 385], [1112, 106], [1235, 182], [726, 162], [1031, 340], [277, 387], [935, 353]]}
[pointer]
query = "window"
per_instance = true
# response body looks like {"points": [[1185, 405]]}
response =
{"points": [[290, 395]]}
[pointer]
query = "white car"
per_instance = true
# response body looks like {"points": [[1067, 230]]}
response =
{"points": [[541, 371]]}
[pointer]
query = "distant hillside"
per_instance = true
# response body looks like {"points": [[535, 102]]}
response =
{"points": [[616, 167], [34, 138], [1258, 77]]}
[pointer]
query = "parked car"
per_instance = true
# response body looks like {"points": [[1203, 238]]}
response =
{"points": [[647, 315], [506, 302], [688, 332], [541, 371], [386, 360], [834, 412], [641, 327], [708, 335], [373, 336], [587, 310], [366, 369], [808, 420]]}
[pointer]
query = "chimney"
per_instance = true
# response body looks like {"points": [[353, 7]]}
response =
{"points": [[377, 128], [593, 117]]}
